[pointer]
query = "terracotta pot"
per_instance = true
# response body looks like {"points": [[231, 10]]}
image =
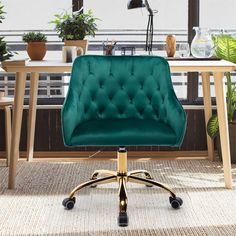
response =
{"points": [[78, 43], [36, 50]]}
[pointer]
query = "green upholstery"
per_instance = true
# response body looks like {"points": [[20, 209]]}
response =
{"points": [[122, 101]]}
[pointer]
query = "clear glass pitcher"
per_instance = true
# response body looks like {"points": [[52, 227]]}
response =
{"points": [[202, 45]]}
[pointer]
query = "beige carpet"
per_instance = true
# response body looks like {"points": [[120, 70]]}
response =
{"points": [[34, 208]]}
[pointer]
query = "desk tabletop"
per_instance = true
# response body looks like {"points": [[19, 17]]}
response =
{"points": [[175, 65], [202, 65]]}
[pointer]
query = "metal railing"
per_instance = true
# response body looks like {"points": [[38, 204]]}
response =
{"points": [[53, 86], [124, 37]]}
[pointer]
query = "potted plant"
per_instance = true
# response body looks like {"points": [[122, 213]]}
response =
{"points": [[73, 28], [4, 51], [225, 48], [36, 45]]}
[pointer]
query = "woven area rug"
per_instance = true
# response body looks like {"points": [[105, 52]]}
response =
{"points": [[34, 208]]}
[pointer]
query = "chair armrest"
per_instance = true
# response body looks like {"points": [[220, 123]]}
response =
{"points": [[175, 116], [70, 116]]}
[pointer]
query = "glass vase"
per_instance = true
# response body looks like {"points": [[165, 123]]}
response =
{"points": [[202, 45]]}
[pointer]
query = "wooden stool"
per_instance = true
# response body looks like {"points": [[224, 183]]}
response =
{"points": [[6, 103]]}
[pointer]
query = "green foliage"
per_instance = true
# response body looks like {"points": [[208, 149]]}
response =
{"points": [[231, 97], [225, 48], [1, 12], [5, 53], [34, 37], [75, 26], [4, 50], [213, 126]]}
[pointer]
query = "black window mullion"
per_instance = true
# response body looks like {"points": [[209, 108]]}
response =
{"points": [[193, 20], [77, 4]]}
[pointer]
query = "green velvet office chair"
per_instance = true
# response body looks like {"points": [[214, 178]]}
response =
{"points": [[122, 101]]}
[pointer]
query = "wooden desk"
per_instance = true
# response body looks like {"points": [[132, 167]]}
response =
{"points": [[204, 67]]}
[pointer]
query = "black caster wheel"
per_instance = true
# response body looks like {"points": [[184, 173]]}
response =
{"points": [[93, 185], [69, 203], [123, 219], [149, 185], [176, 202]]}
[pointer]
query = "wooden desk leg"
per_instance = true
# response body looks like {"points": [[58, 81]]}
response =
{"points": [[8, 132], [207, 110], [16, 130], [34, 77], [223, 126]]}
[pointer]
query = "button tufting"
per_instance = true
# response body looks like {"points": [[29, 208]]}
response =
{"points": [[141, 85], [140, 113], [149, 99], [100, 112]]}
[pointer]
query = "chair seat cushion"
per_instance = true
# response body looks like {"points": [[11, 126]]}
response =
{"points": [[123, 132]]}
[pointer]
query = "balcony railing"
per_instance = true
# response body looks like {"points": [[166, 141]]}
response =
{"points": [[134, 37], [52, 86]]}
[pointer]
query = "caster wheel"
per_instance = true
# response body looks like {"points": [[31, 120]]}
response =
{"points": [[93, 185], [149, 185], [176, 202], [69, 203], [123, 219]]}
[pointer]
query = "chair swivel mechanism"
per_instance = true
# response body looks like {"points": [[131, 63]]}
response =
{"points": [[122, 101]]}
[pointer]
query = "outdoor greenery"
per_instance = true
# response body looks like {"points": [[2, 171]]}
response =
{"points": [[5, 53], [34, 37], [1, 13], [225, 48], [75, 26]]}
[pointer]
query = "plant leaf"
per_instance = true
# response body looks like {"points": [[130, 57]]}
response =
{"points": [[213, 126], [225, 47]]}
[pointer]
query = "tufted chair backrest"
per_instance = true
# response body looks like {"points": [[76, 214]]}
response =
{"points": [[122, 87]]}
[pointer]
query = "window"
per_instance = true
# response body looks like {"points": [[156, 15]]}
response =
{"points": [[216, 18], [25, 15], [129, 27], [218, 14], [31, 15], [114, 14]]}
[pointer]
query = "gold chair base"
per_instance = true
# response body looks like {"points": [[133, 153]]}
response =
{"points": [[122, 176]]}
